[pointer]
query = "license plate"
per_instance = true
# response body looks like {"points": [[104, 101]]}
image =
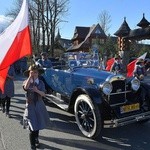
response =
{"points": [[129, 108]]}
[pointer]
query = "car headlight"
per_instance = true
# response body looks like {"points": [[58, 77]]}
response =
{"points": [[106, 88], [135, 84]]}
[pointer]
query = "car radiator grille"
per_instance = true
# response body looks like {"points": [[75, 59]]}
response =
{"points": [[118, 94]]}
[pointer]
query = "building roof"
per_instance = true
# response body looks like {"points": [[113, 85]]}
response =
{"points": [[80, 32], [143, 23], [140, 33], [84, 33], [62, 42], [123, 30]]}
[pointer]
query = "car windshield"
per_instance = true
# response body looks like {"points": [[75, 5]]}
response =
{"points": [[82, 59]]}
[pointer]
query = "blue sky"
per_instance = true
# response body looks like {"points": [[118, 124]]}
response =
{"points": [[85, 13]]}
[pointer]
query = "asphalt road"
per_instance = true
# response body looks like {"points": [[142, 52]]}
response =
{"points": [[63, 133]]}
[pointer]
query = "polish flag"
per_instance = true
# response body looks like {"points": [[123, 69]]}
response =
{"points": [[131, 65], [15, 42], [109, 63]]}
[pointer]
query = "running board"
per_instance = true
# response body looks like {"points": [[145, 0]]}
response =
{"points": [[57, 101]]}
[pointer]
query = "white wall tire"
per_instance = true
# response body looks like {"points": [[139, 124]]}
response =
{"points": [[87, 116]]}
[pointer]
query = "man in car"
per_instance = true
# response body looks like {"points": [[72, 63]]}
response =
{"points": [[44, 62], [117, 65]]}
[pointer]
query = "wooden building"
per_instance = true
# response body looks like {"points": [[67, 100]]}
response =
{"points": [[85, 38], [61, 45], [126, 36]]}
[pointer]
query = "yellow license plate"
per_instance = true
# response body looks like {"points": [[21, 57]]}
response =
{"points": [[129, 108]]}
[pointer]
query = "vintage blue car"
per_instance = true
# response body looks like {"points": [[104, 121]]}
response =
{"points": [[97, 98]]}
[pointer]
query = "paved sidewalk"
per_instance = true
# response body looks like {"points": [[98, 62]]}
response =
{"points": [[2, 142], [12, 134], [2, 146]]}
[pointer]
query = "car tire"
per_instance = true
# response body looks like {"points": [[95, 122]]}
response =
{"points": [[87, 116]]}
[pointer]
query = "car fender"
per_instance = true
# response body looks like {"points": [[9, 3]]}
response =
{"points": [[93, 93]]}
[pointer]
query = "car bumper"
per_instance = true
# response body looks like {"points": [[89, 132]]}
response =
{"points": [[126, 120]]}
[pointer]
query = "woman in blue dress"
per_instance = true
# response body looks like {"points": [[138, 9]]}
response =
{"points": [[35, 112], [8, 91]]}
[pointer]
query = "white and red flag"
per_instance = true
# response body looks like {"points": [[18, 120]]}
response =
{"points": [[15, 42], [131, 65]]}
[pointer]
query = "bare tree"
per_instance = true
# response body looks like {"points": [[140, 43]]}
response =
{"points": [[34, 25], [45, 17], [104, 20], [57, 8]]}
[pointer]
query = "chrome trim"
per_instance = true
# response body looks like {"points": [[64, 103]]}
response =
{"points": [[121, 92], [135, 79], [126, 120], [57, 101], [113, 105], [113, 78], [102, 86]]}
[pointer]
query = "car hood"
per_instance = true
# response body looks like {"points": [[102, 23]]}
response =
{"points": [[93, 73]]}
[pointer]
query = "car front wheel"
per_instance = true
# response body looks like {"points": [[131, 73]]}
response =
{"points": [[87, 116]]}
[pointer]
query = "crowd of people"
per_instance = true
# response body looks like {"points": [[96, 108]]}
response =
{"points": [[140, 69]]}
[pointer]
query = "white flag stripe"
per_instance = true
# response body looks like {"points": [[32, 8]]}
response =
{"points": [[143, 56], [8, 36]]}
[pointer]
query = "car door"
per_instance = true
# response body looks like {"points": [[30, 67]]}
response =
{"points": [[61, 81]]}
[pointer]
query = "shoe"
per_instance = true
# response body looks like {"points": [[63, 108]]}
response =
{"points": [[33, 147], [3, 109], [7, 114], [37, 143]]}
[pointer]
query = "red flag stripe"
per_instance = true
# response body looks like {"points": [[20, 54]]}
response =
{"points": [[130, 68], [109, 64], [3, 75]]}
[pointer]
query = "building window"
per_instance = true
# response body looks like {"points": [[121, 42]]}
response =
{"points": [[97, 31], [98, 41], [94, 41], [102, 41]]}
